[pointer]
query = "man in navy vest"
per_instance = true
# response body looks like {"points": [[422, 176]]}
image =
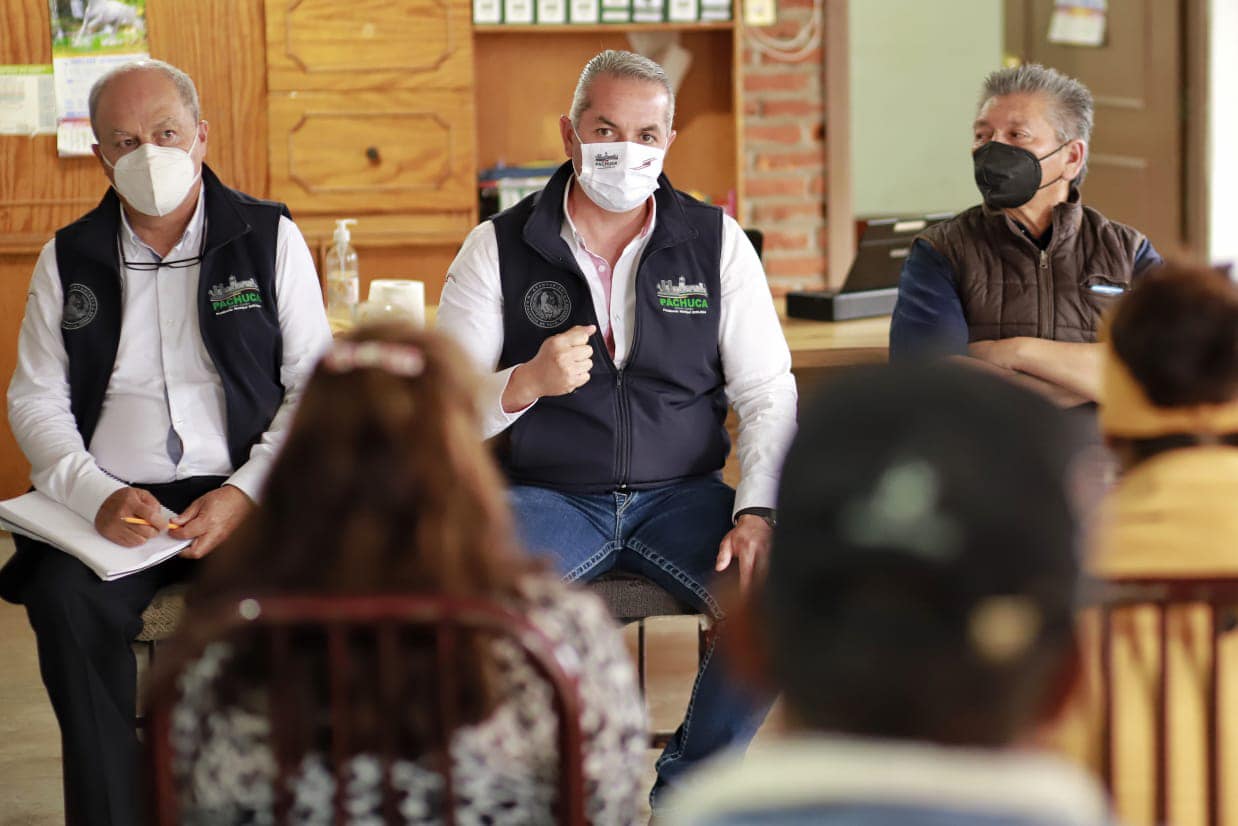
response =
{"points": [[167, 335], [621, 317]]}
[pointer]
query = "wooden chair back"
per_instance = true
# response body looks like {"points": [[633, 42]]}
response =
{"points": [[1209, 604], [380, 621]]}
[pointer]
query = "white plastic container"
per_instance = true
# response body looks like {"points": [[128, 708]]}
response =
{"points": [[406, 298], [343, 276]]}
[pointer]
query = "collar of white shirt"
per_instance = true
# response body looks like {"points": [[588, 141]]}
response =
{"points": [[570, 226], [187, 247]]}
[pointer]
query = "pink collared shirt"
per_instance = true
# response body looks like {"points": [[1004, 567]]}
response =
{"points": [[606, 282]]}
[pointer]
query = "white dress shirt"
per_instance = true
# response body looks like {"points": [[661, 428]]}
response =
{"points": [[163, 415], [756, 362]]}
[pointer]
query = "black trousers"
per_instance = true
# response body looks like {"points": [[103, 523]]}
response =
{"points": [[85, 628]]}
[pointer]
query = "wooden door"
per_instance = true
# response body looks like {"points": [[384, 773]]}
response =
{"points": [[1135, 168]]}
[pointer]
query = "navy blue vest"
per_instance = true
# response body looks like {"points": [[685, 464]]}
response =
{"points": [[237, 316], [662, 417]]}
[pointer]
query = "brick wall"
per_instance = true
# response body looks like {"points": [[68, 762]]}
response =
{"points": [[784, 148]]}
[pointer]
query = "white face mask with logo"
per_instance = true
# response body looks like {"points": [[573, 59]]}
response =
{"points": [[619, 177], [154, 180]]}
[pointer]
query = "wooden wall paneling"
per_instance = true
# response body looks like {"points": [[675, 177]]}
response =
{"points": [[24, 37], [221, 44], [392, 235], [218, 42], [15, 271], [525, 79], [38, 191]]}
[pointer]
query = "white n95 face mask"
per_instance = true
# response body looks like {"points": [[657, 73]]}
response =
{"points": [[619, 177], [155, 179]]}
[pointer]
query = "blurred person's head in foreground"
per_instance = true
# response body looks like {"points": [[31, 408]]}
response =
{"points": [[925, 567], [1169, 411], [382, 484], [1171, 368], [918, 614], [382, 487]]}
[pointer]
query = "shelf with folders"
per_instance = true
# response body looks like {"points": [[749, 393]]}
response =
{"points": [[578, 14], [602, 28], [525, 77]]}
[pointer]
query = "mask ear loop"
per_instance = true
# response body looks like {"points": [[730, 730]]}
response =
{"points": [[1050, 155], [581, 143]]}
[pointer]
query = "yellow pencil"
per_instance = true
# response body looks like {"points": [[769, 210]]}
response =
{"points": [[137, 520]]}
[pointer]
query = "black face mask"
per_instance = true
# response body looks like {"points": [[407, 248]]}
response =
{"points": [[1008, 176]]}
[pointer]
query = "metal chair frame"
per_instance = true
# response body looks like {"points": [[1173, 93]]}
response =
{"points": [[658, 738], [338, 617]]}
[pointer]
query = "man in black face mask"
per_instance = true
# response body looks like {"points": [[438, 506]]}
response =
{"points": [[1019, 283]]}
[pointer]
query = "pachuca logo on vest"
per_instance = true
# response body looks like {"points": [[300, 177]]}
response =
{"points": [[683, 298], [235, 295], [80, 307], [546, 304]]}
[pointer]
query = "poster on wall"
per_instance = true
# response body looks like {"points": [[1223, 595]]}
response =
{"points": [[89, 37], [27, 100], [1079, 22]]}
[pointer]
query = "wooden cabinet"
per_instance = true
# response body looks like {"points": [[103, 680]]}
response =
{"points": [[369, 44], [371, 117], [364, 152]]}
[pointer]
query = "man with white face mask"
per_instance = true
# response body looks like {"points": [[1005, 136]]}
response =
{"points": [[167, 336], [620, 317]]}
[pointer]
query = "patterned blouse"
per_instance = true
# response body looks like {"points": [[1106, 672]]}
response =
{"points": [[505, 767]]}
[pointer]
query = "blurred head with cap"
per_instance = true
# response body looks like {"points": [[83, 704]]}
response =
{"points": [[922, 583]]}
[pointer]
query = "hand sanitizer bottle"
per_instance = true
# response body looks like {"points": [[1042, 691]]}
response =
{"points": [[343, 280]]}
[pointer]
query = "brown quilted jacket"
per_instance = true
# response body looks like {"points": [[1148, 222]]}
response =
{"points": [[1010, 287]]}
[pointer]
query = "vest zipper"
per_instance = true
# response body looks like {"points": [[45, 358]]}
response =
{"points": [[1045, 316], [624, 422], [622, 434]]}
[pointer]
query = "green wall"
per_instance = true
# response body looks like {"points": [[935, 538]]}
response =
{"points": [[916, 70]]}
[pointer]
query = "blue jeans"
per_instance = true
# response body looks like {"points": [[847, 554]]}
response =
{"points": [[669, 535]]}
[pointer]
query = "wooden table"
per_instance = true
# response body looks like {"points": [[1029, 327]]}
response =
{"points": [[814, 344]]}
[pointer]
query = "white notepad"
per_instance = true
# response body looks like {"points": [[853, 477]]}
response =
{"points": [[39, 517]]}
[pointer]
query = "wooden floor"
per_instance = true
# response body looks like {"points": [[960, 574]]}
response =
{"points": [[30, 742]]}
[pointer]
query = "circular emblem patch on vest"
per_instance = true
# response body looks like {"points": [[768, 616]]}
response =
{"points": [[546, 304], [80, 307]]}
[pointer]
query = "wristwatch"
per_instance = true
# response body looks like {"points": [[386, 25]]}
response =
{"points": [[768, 514]]}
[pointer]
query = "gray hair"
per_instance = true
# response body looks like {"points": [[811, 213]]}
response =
{"points": [[1070, 103], [184, 86], [615, 63]]}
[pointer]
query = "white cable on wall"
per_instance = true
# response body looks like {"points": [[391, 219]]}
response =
{"points": [[791, 49]]}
